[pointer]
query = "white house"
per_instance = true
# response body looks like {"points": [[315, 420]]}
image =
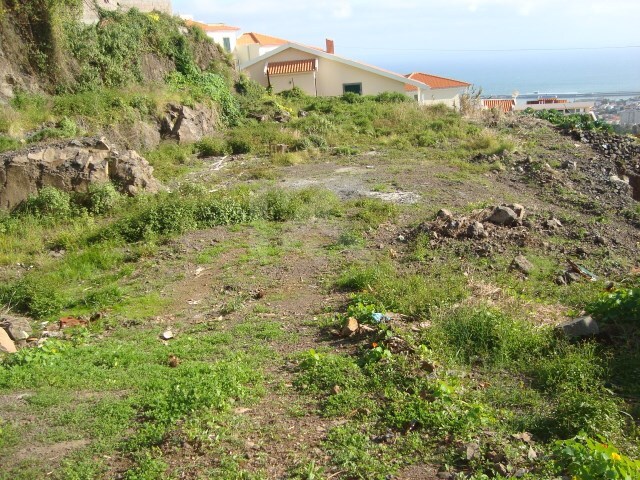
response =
{"points": [[224, 35], [441, 89], [252, 45], [322, 73]]}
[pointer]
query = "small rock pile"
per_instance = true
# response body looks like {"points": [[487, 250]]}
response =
{"points": [[491, 228], [72, 166]]}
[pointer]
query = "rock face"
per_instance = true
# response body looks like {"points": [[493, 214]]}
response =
{"points": [[187, 124], [90, 12], [71, 166]]}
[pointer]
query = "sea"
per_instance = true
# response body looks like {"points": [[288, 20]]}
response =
{"points": [[610, 73]]}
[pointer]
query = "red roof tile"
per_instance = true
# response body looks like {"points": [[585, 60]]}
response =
{"points": [[433, 81], [505, 105], [212, 27], [292, 66], [252, 38]]}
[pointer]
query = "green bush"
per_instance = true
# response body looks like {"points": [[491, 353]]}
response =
{"points": [[7, 144], [620, 306], [212, 147], [101, 198], [587, 459], [49, 202]]}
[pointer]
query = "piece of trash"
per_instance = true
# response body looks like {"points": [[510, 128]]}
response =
{"points": [[199, 270], [379, 317], [194, 302], [69, 322], [167, 335], [582, 271]]}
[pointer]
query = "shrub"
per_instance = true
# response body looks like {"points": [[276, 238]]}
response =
{"points": [[622, 306], [101, 198], [212, 147], [391, 97], [7, 144], [589, 459], [49, 202]]}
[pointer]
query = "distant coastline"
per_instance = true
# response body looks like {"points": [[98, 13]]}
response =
{"points": [[569, 95]]}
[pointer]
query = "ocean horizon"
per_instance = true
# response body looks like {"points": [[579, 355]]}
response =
{"points": [[527, 72]]}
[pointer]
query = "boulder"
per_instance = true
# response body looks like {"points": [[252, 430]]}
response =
{"points": [[444, 213], [518, 209], [503, 216], [71, 166], [552, 224], [18, 328], [579, 327]]}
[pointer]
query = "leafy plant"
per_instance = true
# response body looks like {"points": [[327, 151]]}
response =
{"points": [[590, 459]]}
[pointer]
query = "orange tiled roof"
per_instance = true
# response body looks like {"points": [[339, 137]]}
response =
{"points": [[433, 81], [505, 105], [292, 66], [212, 27], [252, 38]]}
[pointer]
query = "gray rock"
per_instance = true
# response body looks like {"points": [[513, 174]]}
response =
{"points": [[579, 327], [444, 213], [503, 216], [18, 328], [518, 209], [521, 264], [552, 224], [476, 230]]}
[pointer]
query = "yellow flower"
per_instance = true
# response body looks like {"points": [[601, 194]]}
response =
{"points": [[615, 457]]}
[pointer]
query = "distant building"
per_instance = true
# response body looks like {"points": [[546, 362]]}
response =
{"points": [[564, 106], [630, 117], [224, 35], [500, 104], [253, 45], [90, 7], [441, 89]]}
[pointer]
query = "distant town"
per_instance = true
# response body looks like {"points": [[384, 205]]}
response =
{"points": [[622, 113]]}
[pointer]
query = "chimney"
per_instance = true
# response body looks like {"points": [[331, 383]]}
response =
{"points": [[330, 46]]}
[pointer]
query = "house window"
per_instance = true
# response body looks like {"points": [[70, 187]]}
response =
{"points": [[227, 43], [352, 88]]}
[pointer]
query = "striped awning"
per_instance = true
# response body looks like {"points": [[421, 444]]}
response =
{"points": [[291, 66]]}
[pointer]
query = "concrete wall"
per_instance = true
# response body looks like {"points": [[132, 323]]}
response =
{"points": [[90, 14], [246, 53], [447, 96], [331, 76]]}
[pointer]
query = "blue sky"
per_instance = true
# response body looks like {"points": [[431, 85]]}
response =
{"points": [[406, 35], [394, 25]]}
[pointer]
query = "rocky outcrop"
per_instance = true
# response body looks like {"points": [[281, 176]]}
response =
{"points": [[72, 166], [187, 124]]}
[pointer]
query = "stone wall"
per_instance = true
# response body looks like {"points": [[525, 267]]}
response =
{"points": [[90, 14]]}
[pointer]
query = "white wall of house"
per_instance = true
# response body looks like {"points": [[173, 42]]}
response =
{"points": [[331, 76], [219, 38], [305, 81], [246, 53], [447, 96]]}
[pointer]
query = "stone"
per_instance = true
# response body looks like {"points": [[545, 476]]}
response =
{"points": [[521, 264], [599, 240], [167, 335], [350, 327], [6, 344], [503, 216], [569, 165], [552, 224], [579, 327], [518, 209], [444, 213], [18, 328], [476, 230]]}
